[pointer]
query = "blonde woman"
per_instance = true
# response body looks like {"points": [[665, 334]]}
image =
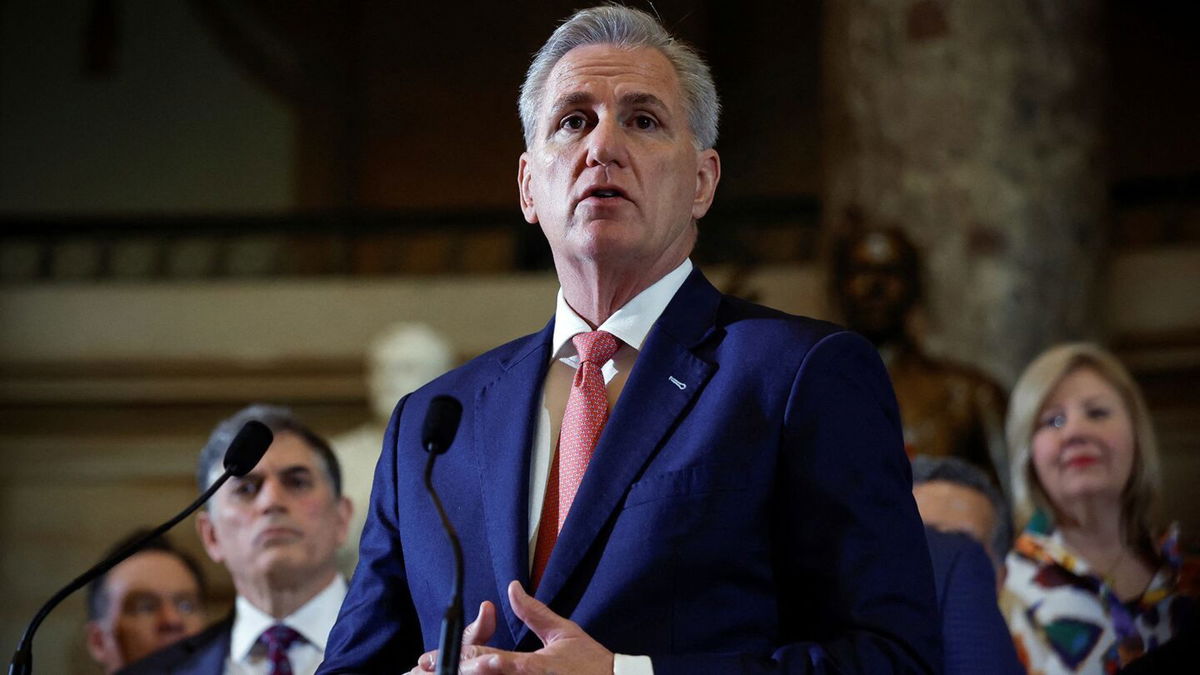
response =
{"points": [[1090, 585]]}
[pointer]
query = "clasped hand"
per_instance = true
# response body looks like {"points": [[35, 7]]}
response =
{"points": [[566, 649]]}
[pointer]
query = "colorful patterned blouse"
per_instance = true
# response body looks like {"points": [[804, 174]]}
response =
{"points": [[1066, 619]]}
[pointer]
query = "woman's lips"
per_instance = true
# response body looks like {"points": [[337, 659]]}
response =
{"points": [[1081, 462]]}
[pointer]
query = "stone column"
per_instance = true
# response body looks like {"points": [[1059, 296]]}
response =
{"points": [[976, 127]]}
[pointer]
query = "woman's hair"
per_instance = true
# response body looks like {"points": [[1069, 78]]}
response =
{"points": [[1139, 496]]}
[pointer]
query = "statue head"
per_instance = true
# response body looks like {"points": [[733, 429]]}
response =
{"points": [[403, 358], [876, 281]]}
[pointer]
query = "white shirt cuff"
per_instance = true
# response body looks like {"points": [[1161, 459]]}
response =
{"points": [[623, 664]]}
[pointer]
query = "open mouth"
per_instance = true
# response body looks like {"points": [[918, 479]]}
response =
{"points": [[605, 193]]}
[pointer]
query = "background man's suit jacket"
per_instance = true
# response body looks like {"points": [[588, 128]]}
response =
{"points": [[200, 654], [976, 639], [748, 507]]}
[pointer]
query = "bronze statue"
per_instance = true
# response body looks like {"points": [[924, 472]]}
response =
{"points": [[946, 408]]}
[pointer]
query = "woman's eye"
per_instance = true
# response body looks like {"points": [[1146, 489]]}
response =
{"points": [[1099, 413], [1055, 421]]}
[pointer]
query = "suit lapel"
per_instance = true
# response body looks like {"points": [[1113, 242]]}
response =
{"points": [[665, 380], [506, 414]]}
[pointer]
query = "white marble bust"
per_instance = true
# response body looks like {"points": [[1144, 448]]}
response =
{"points": [[401, 359]]}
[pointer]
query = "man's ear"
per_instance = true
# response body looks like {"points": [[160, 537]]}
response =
{"points": [[708, 174], [345, 509], [525, 189], [99, 642], [208, 536]]}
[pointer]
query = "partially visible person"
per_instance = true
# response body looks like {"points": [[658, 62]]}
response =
{"points": [[148, 601], [277, 530], [956, 496], [974, 637], [946, 408], [1092, 583], [401, 359]]}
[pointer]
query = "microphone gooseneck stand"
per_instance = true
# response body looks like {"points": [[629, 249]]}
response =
{"points": [[441, 425], [450, 641], [244, 452]]}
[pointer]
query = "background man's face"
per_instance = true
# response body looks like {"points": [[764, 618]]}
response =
{"points": [[613, 173], [951, 507], [153, 600], [280, 523]]}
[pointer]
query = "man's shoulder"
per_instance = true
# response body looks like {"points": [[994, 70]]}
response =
{"points": [[772, 329], [487, 366], [195, 654]]}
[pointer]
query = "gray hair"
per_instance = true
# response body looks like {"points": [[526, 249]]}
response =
{"points": [[626, 28], [927, 468], [277, 419]]}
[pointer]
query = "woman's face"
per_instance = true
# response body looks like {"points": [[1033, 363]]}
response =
{"points": [[1083, 443]]}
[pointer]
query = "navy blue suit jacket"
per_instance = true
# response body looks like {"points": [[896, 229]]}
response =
{"points": [[200, 654], [748, 507], [976, 639]]}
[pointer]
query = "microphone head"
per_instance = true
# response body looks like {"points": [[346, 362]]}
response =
{"points": [[441, 423], [247, 448]]}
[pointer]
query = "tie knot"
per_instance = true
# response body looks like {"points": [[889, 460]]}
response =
{"points": [[279, 637], [595, 347]]}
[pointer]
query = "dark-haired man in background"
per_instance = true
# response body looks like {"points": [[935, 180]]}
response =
{"points": [[148, 601], [277, 530]]}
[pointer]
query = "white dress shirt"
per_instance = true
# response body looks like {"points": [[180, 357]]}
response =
{"points": [[313, 621], [630, 324]]}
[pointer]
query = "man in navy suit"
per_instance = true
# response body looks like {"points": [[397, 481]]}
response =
{"points": [[746, 507], [977, 641], [277, 530]]}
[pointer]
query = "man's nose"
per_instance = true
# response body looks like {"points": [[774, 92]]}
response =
{"points": [[169, 617], [606, 143], [271, 496]]}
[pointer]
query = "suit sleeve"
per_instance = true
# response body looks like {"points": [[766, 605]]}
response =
{"points": [[855, 584], [977, 639], [377, 628]]}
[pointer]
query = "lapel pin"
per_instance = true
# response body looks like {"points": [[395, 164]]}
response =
{"points": [[677, 383]]}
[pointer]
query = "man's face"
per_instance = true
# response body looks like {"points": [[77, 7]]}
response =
{"points": [[951, 507], [153, 600], [613, 175], [279, 524]]}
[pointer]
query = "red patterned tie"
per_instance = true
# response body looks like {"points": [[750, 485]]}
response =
{"points": [[278, 639], [583, 420]]}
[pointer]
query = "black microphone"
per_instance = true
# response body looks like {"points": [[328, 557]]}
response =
{"points": [[244, 452], [441, 424]]}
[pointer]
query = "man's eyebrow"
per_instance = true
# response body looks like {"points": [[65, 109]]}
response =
{"points": [[571, 100], [639, 98], [634, 98]]}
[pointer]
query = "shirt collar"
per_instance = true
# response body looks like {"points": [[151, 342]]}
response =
{"points": [[630, 324], [313, 620]]}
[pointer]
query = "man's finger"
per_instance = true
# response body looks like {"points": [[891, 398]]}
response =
{"points": [[427, 662], [542, 620], [481, 629]]}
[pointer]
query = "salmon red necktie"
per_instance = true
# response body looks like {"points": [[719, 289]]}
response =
{"points": [[583, 420]]}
